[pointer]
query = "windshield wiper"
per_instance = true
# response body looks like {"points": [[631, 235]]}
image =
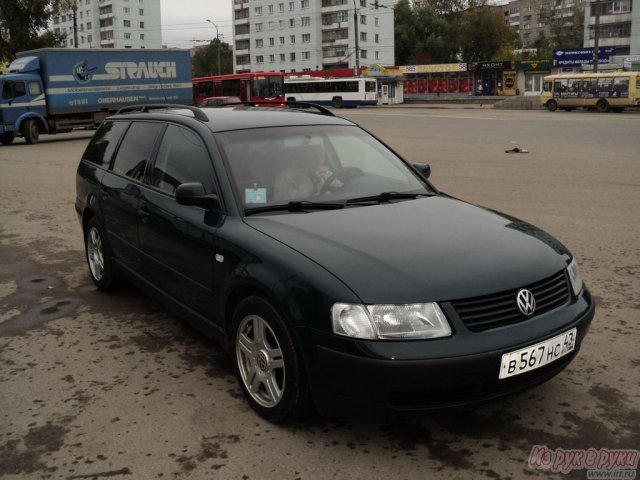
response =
{"points": [[387, 197], [295, 207]]}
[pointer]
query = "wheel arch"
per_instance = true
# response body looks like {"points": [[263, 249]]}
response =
{"points": [[242, 291], [42, 124]]}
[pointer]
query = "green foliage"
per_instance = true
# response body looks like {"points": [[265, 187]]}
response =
{"points": [[23, 26], [480, 33], [562, 34], [205, 59], [443, 31]]}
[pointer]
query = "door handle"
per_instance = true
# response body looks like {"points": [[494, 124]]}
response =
{"points": [[144, 214]]}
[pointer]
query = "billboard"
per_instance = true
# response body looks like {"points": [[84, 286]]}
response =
{"points": [[575, 57]]}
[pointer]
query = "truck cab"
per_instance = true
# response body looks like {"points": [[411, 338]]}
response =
{"points": [[22, 106]]}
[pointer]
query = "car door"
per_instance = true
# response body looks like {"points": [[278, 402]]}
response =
{"points": [[121, 191], [178, 240]]}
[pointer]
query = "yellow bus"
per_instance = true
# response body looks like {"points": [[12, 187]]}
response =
{"points": [[603, 92]]}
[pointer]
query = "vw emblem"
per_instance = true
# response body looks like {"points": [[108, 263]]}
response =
{"points": [[526, 302]]}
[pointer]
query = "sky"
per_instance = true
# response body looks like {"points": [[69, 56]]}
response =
{"points": [[184, 22]]}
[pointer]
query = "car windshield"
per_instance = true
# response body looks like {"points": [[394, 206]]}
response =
{"points": [[314, 164]]}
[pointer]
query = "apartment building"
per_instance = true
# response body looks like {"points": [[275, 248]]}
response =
{"points": [[112, 24], [306, 35], [619, 25]]}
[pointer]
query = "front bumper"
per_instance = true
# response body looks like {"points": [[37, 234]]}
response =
{"points": [[373, 377]]}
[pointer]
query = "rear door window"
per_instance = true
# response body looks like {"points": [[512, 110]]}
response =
{"points": [[136, 149], [104, 143]]}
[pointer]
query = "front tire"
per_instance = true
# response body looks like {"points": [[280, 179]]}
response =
{"points": [[31, 131], [337, 102], [268, 363], [552, 105], [602, 106], [99, 257]]}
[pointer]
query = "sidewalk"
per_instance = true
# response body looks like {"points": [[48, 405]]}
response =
{"points": [[510, 102]]}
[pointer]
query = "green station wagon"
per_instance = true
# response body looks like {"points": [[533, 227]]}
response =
{"points": [[334, 273]]}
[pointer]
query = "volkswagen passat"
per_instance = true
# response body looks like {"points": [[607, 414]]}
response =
{"points": [[333, 271]]}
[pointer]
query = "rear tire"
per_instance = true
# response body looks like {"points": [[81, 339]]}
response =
{"points": [[337, 102], [602, 106], [31, 131], [99, 257], [268, 363], [552, 105], [7, 138]]}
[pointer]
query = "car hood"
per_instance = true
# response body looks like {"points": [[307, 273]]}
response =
{"points": [[429, 249]]}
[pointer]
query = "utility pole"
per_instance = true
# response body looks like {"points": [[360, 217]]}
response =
{"points": [[217, 46], [596, 35], [355, 24], [75, 25]]}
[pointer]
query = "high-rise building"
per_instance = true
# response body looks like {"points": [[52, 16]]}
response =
{"points": [[112, 24], [618, 25], [306, 35]]}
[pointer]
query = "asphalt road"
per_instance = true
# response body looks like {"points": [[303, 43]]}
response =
{"points": [[109, 386]]}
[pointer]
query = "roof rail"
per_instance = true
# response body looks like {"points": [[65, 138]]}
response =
{"points": [[142, 108], [288, 104]]}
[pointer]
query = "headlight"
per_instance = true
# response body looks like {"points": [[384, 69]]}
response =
{"points": [[574, 276], [390, 322]]}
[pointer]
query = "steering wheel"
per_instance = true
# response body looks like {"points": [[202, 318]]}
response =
{"points": [[345, 174]]}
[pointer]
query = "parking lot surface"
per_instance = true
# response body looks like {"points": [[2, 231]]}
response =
{"points": [[96, 385]]}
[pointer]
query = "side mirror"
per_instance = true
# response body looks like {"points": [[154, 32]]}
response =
{"points": [[194, 194], [423, 169]]}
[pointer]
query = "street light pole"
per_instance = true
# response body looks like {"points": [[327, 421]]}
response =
{"points": [[218, 46], [355, 31], [596, 38]]}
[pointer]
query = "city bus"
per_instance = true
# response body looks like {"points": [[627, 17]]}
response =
{"points": [[338, 92], [248, 87], [600, 91]]}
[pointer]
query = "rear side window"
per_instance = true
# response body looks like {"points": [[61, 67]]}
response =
{"points": [[104, 142], [181, 158], [136, 148]]}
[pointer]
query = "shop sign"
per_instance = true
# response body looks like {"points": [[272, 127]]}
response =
{"points": [[533, 66], [574, 57], [377, 70], [628, 62], [439, 68], [479, 66]]}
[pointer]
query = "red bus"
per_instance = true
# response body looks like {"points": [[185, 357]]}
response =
{"points": [[250, 86]]}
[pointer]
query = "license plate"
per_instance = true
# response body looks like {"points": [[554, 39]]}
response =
{"points": [[538, 355]]}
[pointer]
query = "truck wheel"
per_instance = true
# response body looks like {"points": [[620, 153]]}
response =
{"points": [[337, 102], [552, 105], [31, 131], [268, 363], [602, 106], [7, 138]]}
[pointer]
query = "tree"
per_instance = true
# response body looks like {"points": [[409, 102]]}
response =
{"points": [[205, 59], [23, 26], [405, 33], [433, 36], [481, 33], [565, 31]]}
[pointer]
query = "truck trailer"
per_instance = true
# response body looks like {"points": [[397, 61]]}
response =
{"points": [[54, 90]]}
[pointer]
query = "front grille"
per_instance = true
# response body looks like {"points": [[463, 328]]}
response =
{"points": [[496, 310]]}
